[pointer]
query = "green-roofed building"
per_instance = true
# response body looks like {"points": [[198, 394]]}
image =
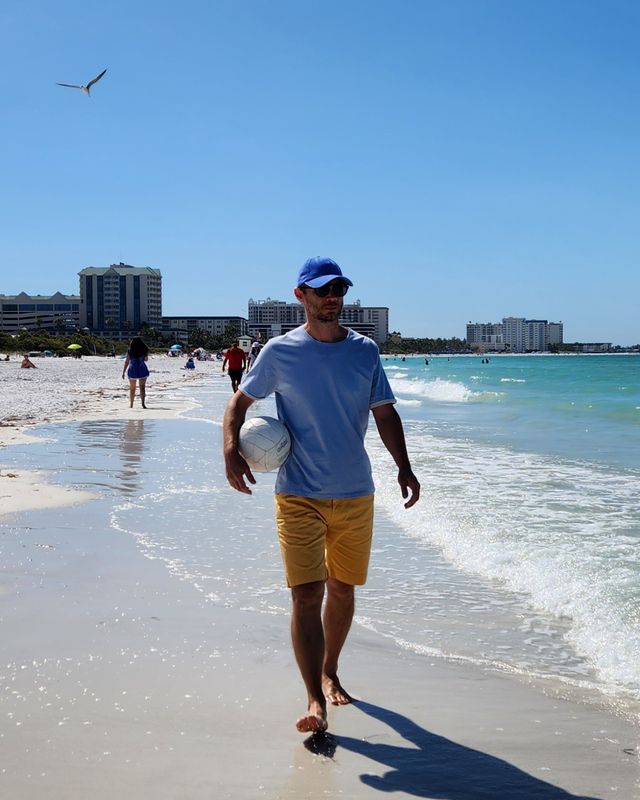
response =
{"points": [[117, 300]]}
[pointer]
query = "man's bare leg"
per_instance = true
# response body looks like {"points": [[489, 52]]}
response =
{"points": [[308, 645], [338, 614]]}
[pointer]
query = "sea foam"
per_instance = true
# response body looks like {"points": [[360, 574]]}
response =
{"points": [[440, 390], [562, 533]]}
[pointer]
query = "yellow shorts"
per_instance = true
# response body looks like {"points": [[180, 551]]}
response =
{"points": [[322, 539]]}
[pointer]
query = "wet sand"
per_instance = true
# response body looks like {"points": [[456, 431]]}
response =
{"points": [[62, 389], [118, 679]]}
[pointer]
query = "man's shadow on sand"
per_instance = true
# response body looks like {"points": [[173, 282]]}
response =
{"points": [[436, 767]]}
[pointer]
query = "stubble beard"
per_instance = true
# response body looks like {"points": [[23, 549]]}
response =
{"points": [[317, 313], [328, 316]]}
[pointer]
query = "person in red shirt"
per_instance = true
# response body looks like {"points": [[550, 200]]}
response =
{"points": [[237, 359]]}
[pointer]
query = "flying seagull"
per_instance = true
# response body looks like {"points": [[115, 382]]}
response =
{"points": [[86, 89]]}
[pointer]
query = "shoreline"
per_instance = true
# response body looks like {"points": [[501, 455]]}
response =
{"points": [[395, 356], [91, 401], [27, 490], [121, 679], [30, 490], [118, 676]]}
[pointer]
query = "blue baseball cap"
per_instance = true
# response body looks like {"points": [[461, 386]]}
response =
{"points": [[317, 271]]}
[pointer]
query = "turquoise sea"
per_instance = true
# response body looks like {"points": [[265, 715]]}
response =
{"points": [[522, 554], [531, 473]]}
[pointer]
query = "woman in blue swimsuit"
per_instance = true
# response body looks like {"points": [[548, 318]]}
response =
{"points": [[137, 355]]}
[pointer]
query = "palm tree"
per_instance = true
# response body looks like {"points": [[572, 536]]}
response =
{"points": [[199, 338]]}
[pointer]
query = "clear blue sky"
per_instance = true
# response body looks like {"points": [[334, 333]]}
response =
{"points": [[461, 159]]}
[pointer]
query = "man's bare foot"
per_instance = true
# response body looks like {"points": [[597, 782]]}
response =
{"points": [[314, 721], [334, 692]]}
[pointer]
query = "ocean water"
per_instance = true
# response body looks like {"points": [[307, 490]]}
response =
{"points": [[531, 475], [522, 554]]}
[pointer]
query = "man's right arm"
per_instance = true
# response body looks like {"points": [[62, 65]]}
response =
{"points": [[236, 467]]}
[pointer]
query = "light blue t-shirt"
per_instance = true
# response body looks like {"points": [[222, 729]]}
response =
{"points": [[324, 392]]}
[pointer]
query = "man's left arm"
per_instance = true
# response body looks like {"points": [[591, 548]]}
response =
{"points": [[390, 429]]}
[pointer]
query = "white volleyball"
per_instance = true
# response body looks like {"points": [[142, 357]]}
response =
{"points": [[264, 443]]}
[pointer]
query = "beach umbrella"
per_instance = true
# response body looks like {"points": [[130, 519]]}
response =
{"points": [[74, 347], [176, 347]]}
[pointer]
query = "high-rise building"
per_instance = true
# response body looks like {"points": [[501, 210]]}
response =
{"points": [[535, 335], [271, 318], [120, 298], [372, 321], [515, 334], [56, 312], [554, 333], [486, 336]]}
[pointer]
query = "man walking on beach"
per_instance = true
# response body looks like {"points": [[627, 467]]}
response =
{"points": [[326, 379], [237, 359]]}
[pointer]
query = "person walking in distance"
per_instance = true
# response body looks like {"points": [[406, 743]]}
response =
{"points": [[135, 365], [253, 355], [237, 360], [326, 379]]}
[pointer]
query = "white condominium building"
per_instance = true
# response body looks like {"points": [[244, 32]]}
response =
{"points": [[274, 317], [120, 298], [56, 312], [515, 334], [535, 335], [486, 335], [555, 332], [373, 321], [270, 318]]}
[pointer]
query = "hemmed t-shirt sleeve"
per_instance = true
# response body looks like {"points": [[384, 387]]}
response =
{"points": [[261, 381], [381, 392], [390, 402]]}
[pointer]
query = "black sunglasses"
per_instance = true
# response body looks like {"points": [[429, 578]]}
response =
{"points": [[338, 289]]}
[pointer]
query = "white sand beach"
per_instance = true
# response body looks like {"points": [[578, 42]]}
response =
{"points": [[61, 389], [120, 677], [64, 388]]}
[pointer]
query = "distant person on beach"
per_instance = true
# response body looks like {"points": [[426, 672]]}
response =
{"points": [[237, 360], [27, 363], [326, 379], [137, 371], [190, 363], [253, 355]]}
